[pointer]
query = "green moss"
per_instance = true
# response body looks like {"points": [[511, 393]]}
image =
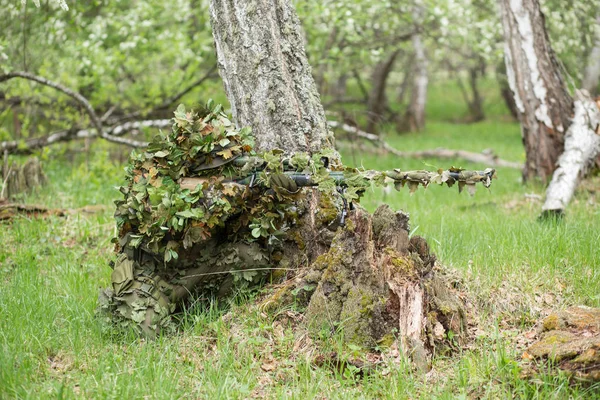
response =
{"points": [[327, 210], [590, 356], [356, 316], [552, 322], [386, 341]]}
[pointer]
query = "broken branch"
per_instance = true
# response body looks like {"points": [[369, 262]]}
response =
{"points": [[96, 122], [26, 147], [487, 158]]}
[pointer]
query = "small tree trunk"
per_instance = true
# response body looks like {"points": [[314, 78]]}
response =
{"points": [[591, 77], [543, 104], [266, 74], [415, 115], [339, 90], [476, 104], [322, 69], [377, 98]]}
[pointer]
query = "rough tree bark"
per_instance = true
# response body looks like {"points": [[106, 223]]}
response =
{"points": [[415, 114], [582, 146], [265, 71], [366, 276], [543, 103], [591, 76]]}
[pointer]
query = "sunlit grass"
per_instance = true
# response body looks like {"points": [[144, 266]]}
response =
{"points": [[52, 346]]}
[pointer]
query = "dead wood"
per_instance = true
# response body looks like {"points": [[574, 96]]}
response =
{"points": [[11, 210], [582, 146], [28, 146], [378, 286], [96, 121], [487, 157], [20, 179]]}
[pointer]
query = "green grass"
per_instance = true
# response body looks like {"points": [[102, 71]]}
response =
{"points": [[51, 345]]}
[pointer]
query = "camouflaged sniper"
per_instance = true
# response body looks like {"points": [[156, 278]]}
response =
{"points": [[202, 213]]}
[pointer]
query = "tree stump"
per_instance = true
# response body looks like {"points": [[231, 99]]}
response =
{"points": [[378, 285], [17, 179]]}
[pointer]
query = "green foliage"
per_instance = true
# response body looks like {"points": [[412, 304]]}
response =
{"points": [[131, 55], [156, 210], [51, 269]]}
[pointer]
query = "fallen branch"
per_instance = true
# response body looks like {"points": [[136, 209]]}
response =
{"points": [[26, 147], [487, 158], [96, 122], [582, 146], [11, 210]]}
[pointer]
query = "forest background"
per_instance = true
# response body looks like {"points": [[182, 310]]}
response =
{"points": [[136, 60]]}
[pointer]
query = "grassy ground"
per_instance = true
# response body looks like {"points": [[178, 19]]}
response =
{"points": [[515, 269]]}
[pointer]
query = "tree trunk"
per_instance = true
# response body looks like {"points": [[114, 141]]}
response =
{"points": [[582, 146], [476, 104], [415, 115], [377, 99], [322, 69], [266, 74], [366, 276], [543, 103], [591, 77], [505, 92]]}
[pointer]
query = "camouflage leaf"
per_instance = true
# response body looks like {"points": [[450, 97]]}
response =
{"points": [[413, 186], [225, 153], [471, 189]]}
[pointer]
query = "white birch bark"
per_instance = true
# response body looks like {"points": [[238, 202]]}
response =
{"points": [[543, 103], [582, 146]]}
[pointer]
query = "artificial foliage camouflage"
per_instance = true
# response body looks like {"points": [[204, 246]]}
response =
{"points": [[202, 212]]}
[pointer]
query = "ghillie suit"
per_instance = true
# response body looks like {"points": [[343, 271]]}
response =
{"points": [[203, 214], [177, 238]]}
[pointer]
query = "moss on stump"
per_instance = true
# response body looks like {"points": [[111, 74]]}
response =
{"points": [[378, 286]]}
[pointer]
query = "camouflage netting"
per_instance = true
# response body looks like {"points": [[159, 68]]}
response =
{"points": [[186, 227], [195, 220]]}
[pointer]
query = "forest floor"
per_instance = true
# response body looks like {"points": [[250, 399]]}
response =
{"points": [[514, 269]]}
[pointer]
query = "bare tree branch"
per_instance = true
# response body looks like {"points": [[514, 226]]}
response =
{"points": [[96, 122], [20, 147], [487, 158], [171, 100]]}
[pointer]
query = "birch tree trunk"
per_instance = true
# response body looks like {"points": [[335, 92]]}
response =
{"points": [[543, 103], [415, 115], [591, 77], [367, 276], [267, 78], [582, 146]]}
